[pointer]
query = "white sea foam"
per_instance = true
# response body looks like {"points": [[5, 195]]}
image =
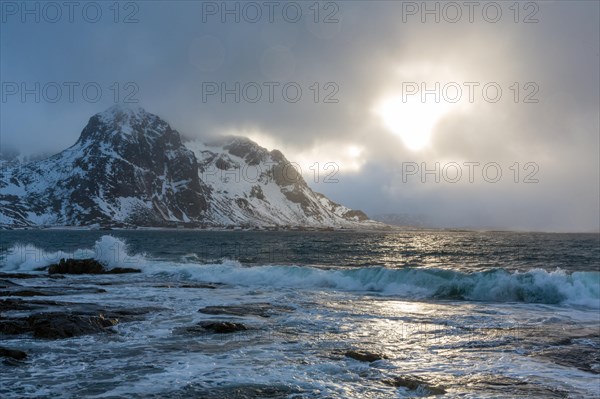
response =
{"points": [[110, 251], [534, 286]]}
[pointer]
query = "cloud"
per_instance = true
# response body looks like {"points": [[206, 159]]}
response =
{"points": [[171, 60]]}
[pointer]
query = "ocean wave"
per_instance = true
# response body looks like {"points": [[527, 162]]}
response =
{"points": [[498, 285], [109, 250]]}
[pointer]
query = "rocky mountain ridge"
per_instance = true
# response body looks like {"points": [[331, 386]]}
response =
{"points": [[129, 168]]}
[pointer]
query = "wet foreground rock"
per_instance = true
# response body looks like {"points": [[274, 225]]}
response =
{"points": [[12, 353], [86, 266], [60, 325], [414, 383], [50, 319], [579, 352], [221, 327], [364, 356], [56, 325]]}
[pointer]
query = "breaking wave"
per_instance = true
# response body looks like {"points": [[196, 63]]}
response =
{"points": [[110, 251], [498, 285]]}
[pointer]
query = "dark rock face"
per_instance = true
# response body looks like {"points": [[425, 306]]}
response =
{"points": [[247, 150], [257, 192], [85, 266], [155, 165], [260, 309], [356, 214], [12, 353]]}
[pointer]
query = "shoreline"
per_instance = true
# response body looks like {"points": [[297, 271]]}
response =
{"points": [[387, 229]]}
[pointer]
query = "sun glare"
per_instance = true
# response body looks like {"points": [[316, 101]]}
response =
{"points": [[412, 120]]}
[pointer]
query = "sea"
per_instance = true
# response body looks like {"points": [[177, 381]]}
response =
{"points": [[452, 314]]}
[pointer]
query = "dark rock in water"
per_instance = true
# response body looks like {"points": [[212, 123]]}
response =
{"points": [[364, 356], [55, 320], [56, 325], [412, 383], [76, 266], [12, 353], [75, 308], [222, 327], [14, 326], [212, 327], [85, 266], [261, 309], [61, 325], [15, 304]]}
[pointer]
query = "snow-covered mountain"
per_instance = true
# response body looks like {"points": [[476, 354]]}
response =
{"points": [[130, 168]]}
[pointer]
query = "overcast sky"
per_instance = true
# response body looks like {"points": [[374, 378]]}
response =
{"points": [[362, 67]]}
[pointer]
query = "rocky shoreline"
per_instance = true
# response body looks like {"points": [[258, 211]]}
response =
{"points": [[33, 306], [36, 311]]}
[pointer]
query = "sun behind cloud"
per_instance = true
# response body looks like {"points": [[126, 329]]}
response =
{"points": [[412, 120]]}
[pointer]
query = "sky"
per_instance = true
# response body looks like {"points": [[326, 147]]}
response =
{"points": [[461, 115]]}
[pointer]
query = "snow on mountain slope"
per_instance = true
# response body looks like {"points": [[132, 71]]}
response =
{"points": [[251, 185], [130, 168], [127, 168]]}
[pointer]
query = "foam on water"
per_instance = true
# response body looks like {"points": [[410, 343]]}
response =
{"points": [[499, 285], [110, 251]]}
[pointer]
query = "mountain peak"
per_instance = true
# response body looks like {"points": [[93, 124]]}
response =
{"points": [[130, 168], [126, 121], [123, 113], [124, 108]]}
